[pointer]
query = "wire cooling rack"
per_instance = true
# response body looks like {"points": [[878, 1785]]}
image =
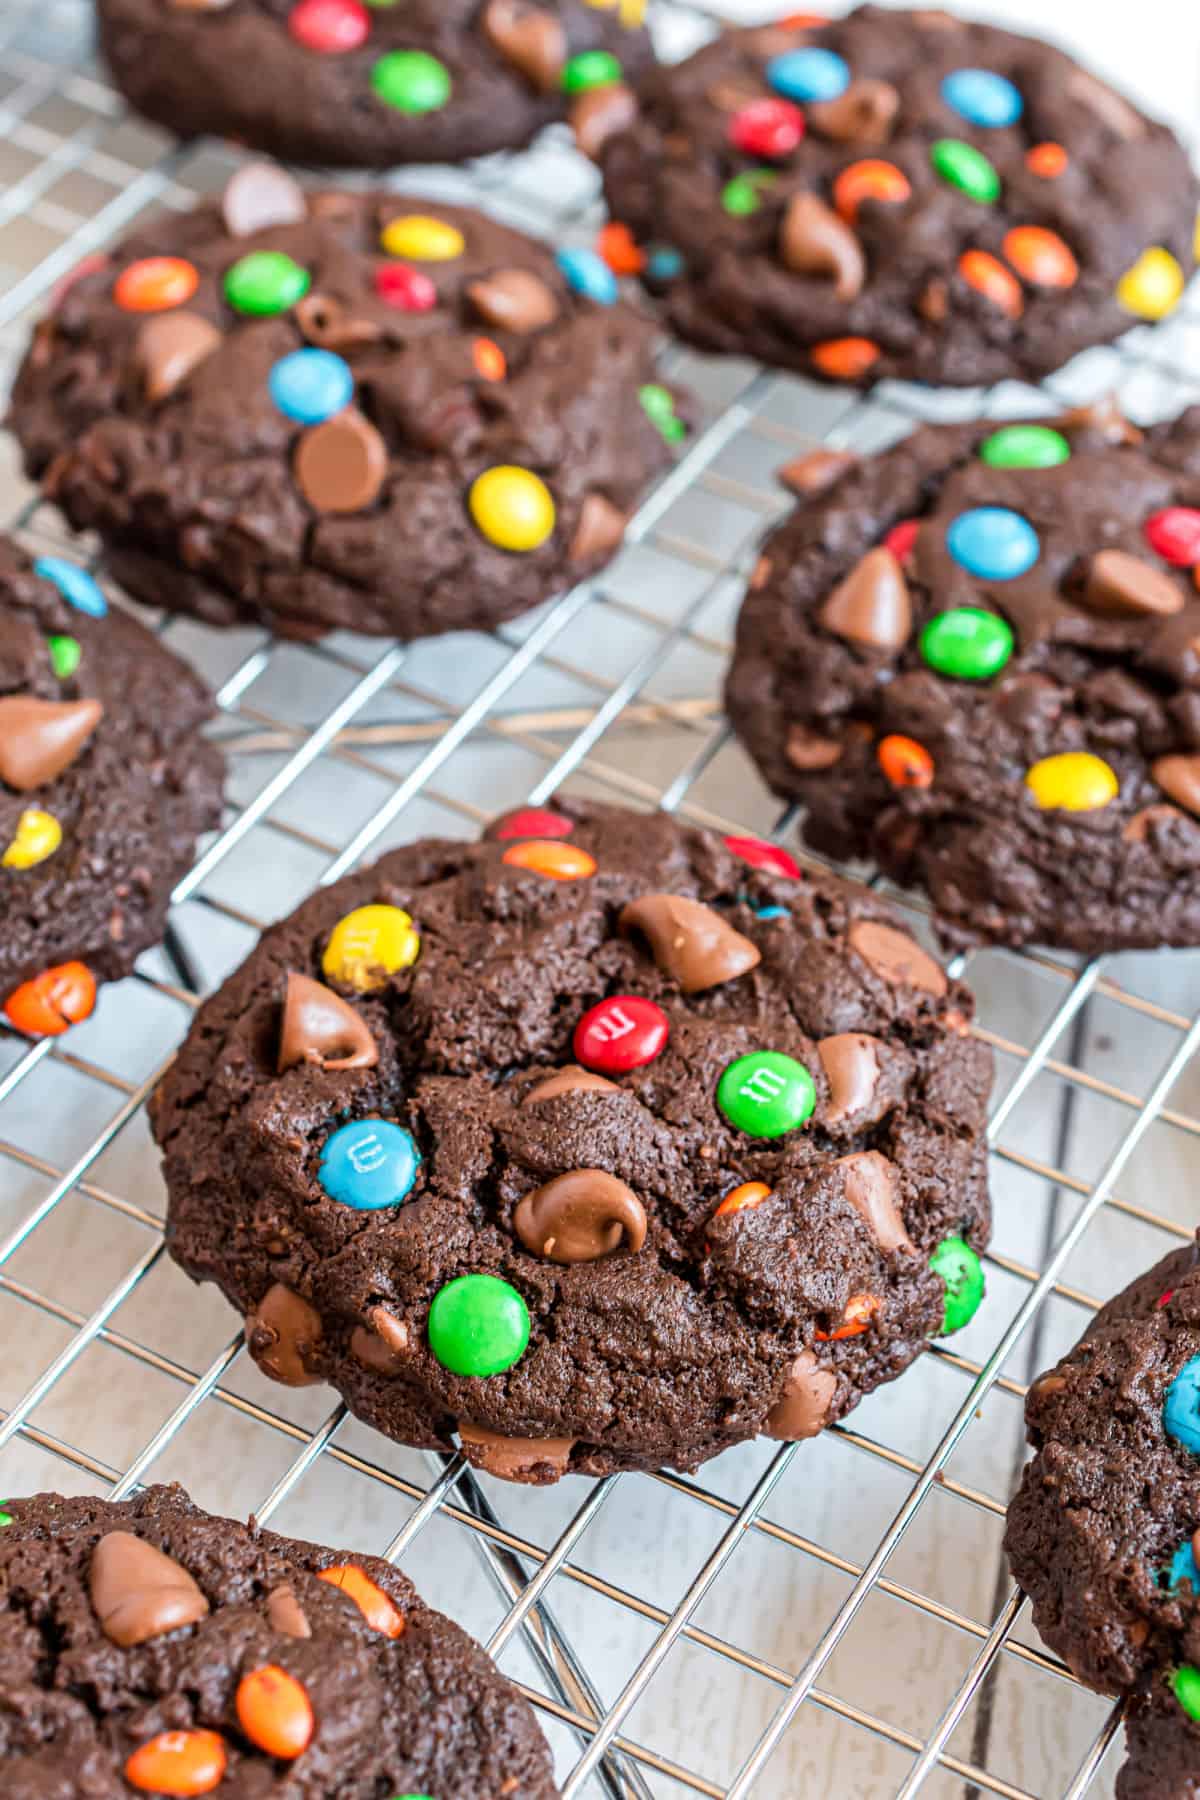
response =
{"points": [[797, 1620]]}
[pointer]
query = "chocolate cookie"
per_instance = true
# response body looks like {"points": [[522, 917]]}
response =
{"points": [[900, 194], [148, 1647], [359, 410], [105, 782], [369, 84], [1162, 1743], [600, 1143], [974, 660]]}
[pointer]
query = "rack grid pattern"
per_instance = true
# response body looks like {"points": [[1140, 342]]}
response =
{"points": [[610, 690]]}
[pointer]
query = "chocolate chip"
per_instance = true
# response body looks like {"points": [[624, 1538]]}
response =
{"points": [[282, 1335], [871, 1187], [261, 194], [863, 114], [571, 1080], [816, 471], [138, 1592], [530, 38], [896, 958], [813, 240], [580, 1216], [1150, 819], [600, 529], [168, 347], [600, 114], [41, 738], [340, 466], [332, 326], [851, 1064], [690, 942], [803, 1408], [871, 606], [1179, 776], [285, 1613], [534, 1461], [1104, 418], [320, 1027], [513, 300], [807, 750], [1123, 584]]}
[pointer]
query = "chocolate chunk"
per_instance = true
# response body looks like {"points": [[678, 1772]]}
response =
{"points": [[1120, 583], [580, 1216], [896, 958], [571, 1080], [871, 606], [285, 1613], [815, 471], [330, 325], [385, 1347], [803, 1408], [1105, 418], [168, 347], [320, 1027], [601, 529], [850, 1060], [1179, 776], [599, 114], [534, 1461], [139, 1593], [513, 300], [807, 749], [872, 1188], [283, 1334], [1148, 819], [813, 240], [863, 113], [530, 37], [41, 738], [690, 942], [260, 194], [342, 464]]}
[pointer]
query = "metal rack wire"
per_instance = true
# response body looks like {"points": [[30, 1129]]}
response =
{"points": [[615, 1603]]}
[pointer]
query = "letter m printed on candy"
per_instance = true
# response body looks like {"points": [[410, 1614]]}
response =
{"points": [[366, 1155], [763, 1086]]}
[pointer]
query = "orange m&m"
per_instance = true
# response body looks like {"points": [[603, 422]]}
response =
{"points": [[178, 1763], [870, 179], [58, 997], [990, 278], [845, 359], [557, 861], [751, 1193], [1047, 160], [1040, 256], [490, 360], [615, 243], [155, 284], [381, 1614], [860, 1310], [905, 762], [275, 1712]]}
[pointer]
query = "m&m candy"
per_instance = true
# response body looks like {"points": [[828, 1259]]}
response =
{"points": [[77, 587], [478, 1325], [311, 385], [845, 358], [808, 74], [377, 1608], [767, 913], [905, 763], [588, 274], [767, 128], [901, 539], [967, 643], [982, 97], [1024, 447], [749, 1194], [870, 179], [766, 1093], [178, 1763], [761, 855], [744, 194], [275, 1712], [38, 835], [860, 1310], [534, 822], [265, 282], [663, 263], [369, 1164], [411, 80], [330, 27], [1073, 781], [368, 945], [408, 290], [66, 654], [620, 250], [1041, 257], [557, 862], [961, 1270], [1152, 287], [57, 998], [1181, 1409], [986, 275], [621, 1033], [1185, 1685], [1047, 161], [589, 69], [966, 168], [1182, 1567], [1174, 534], [155, 284], [491, 364], [511, 507], [423, 238], [658, 404], [993, 542]]}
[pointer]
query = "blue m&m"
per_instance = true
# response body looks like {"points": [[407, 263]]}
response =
{"points": [[982, 97], [311, 385], [588, 274], [810, 74], [1181, 1409], [369, 1164], [663, 262], [993, 542], [1181, 1568], [75, 585]]}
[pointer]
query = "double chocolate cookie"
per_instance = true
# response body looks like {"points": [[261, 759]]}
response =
{"points": [[344, 410], [975, 659], [369, 84], [147, 1647], [601, 1144], [1105, 1529], [105, 783], [900, 194]]}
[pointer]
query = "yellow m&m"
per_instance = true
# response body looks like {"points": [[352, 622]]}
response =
{"points": [[511, 507], [1152, 287], [368, 945], [1075, 781], [422, 238], [38, 836]]}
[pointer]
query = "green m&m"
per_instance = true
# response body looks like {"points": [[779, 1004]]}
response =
{"points": [[744, 194], [967, 642], [5, 1519], [65, 655], [1024, 447], [965, 168], [590, 69], [478, 1325], [658, 404], [961, 1270], [265, 282], [766, 1093], [1185, 1685], [411, 80]]}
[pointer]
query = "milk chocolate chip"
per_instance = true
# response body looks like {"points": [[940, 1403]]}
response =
{"points": [[320, 1027], [897, 958], [282, 1334], [851, 1064], [138, 1592], [535, 1461], [871, 1186], [871, 606], [802, 1409], [41, 738], [580, 1216], [689, 941]]}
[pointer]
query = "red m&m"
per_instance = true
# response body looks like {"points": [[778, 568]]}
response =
{"points": [[902, 538], [1174, 534], [620, 1034], [534, 822], [330, 27], [761, 855], [405, 288], [770, 128]]}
